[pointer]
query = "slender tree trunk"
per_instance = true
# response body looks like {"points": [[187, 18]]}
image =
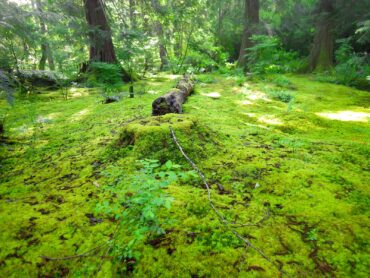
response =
{"points": [[162, 48], [163, 55], [50, 58], [322, 52], [178, 46], [251, 24], [46, 53], [43, 57], [101, 45]]}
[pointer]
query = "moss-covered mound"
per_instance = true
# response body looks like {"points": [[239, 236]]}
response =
{"points": [[151, 137]]}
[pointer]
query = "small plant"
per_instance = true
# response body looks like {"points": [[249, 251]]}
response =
{"points": [[240, 80], [312, 235], [283, 82], [206, 79], [139, 198], [283, 96]]}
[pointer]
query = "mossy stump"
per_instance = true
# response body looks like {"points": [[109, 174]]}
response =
{"points": [[151, 137]]}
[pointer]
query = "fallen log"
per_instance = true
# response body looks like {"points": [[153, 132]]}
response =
{"points": [[173, 100]]}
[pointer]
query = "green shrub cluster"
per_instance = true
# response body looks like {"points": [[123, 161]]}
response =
{"points": [[268, 56], [281, 95], [352, 69], [102, 74]]}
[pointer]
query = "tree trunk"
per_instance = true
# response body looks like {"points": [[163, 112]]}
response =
{"points": [[162, 48], [160, 34], [173, 100], [322, 52], [46, 53], [178, 45], [251, 24], [101, 45]]}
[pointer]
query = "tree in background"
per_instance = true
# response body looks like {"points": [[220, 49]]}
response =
{"points": [[322, 52], [163, 55], [251, 25], [101, 45], [46, 52]]}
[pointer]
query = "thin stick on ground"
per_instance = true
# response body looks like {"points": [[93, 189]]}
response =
{"points": [[84, 254], [222, 219]]}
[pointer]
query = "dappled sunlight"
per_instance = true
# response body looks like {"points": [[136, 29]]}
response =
{"points": [[346, 116], [270, 119], [254, 125], [214, 95], [255, 95], [80, 115], [171, 76], [77, 92], [245, 102], [252, 115]]}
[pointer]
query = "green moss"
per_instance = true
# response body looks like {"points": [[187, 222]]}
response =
{"points": [[294, 162]]}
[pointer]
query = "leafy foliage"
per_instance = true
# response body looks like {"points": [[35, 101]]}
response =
{"points": [[139, 199], [268, 56], [352, 68], [281, 95]]}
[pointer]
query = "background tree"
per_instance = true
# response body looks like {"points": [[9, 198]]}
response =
{"points": [[101, 45], [45, 47], [251, 25], [322, 52]]}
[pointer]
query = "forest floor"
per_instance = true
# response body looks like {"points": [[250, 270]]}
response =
{"points": [[290, 153]]}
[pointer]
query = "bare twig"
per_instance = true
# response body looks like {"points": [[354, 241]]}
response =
{"points": [[84, 254], [264, 218], [222, 219]]}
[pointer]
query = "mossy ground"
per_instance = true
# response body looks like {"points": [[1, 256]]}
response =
{"points": [[305, 163]]}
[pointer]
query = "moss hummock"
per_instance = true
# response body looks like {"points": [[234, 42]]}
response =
{"points": [[151, 137]]}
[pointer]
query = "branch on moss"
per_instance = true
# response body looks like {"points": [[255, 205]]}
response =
{"points": [[82, 255], [222, 219]]}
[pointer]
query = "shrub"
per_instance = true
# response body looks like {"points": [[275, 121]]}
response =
{"points": [[352, 68], [283, 96], [283, 82], [206, 79], [268, 56], [101, 74]]}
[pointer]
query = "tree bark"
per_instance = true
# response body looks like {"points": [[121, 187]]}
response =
{"points": [[173, 100], [46, 53], [251, 24], [322, 52], [101, 45]]}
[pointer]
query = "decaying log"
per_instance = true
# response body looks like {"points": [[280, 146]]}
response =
{"points": [[173, 100]]}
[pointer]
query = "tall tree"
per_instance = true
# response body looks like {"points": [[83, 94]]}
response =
{"points": [[251, 24], [322, 52], [46, 52], [101, 45]]}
